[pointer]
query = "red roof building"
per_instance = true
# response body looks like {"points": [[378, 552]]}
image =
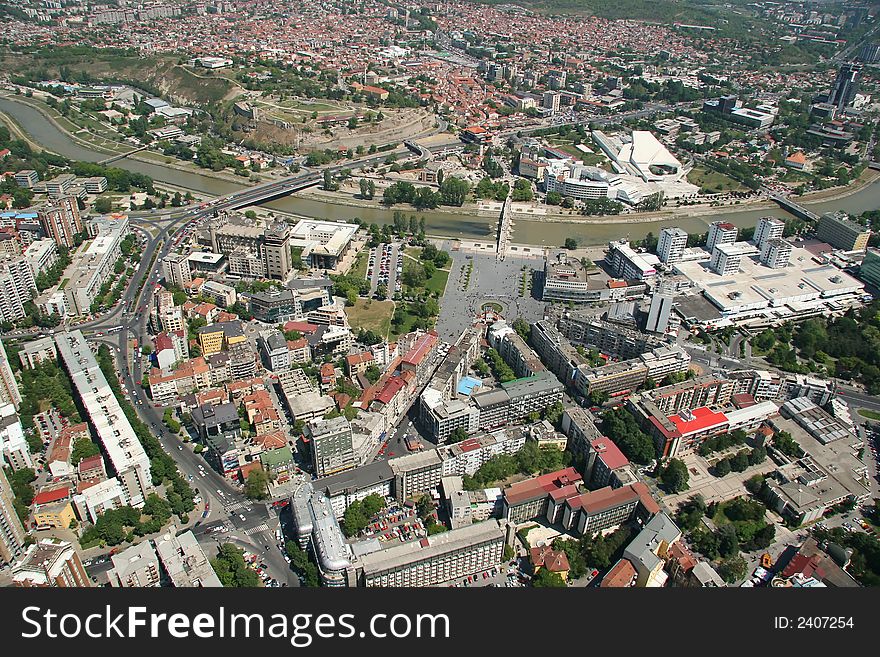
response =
{"points": [[546, 557], [51, 495], [622, 575], [698, 422]]}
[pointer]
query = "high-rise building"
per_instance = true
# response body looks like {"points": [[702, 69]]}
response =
{"points": [[838, 230], [551, 101], [50, 563], [12, 532], [21, 275], [9, 393], [726, 258], [658, 313], [61, 220], [768, 228], [185, 562], [175, 269], [776, 253], [869, 270], [331, 445], [276, 252], [671, 245], [11, 307], [845, 86], [720, 232], [137, 566]]}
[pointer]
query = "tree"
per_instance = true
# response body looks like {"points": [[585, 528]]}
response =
{"points": [[675, 476], [354, 519], [425, 507], [740, 461], [231, 568], [83, 448], [299, 561], [728, 541], [373, 504], [553, 413], [522, 327], [722, 468], [522, 191], [103, 205], [690, 513], [457, 436], [453, 191], [733, 569], [548, 579], [570, 243], [256, 487]]}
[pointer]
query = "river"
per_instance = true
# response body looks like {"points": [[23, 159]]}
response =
{"points": [[452, 224]]}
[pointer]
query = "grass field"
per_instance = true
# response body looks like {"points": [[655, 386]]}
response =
{"points": [[437, 282], [712, 182], [360, 264], [371, 315], [871, 415]]}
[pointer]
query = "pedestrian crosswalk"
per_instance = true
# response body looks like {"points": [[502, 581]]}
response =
{"points": [[237, 506], [255, 530]]}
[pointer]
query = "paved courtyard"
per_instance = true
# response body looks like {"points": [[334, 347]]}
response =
{"points": [[490, 281], [711, 487]]}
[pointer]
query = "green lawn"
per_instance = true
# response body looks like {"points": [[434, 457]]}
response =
{"points": [[371, 315], [871, 415], [360, 264], [712, 182], [437, 282]]}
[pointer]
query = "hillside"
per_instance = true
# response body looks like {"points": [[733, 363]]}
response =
{"points": [[159, 75]]}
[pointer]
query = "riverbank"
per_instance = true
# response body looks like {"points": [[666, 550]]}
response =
{"points": [[349, 199], [120, 148], [467, 223]]}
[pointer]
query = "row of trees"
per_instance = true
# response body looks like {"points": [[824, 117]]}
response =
{"points": [[621, 427], [163, 469], [529, 460], [721, 442], [740, 461], [359, 513], [302, 565], [452, 191], [502, 371]]}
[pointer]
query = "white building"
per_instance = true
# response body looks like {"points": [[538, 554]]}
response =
{"points": [[768, 228], [94, 500], [640, 154], [726, 258], [121, 446], [185, 562], [628, 264], [671, 245], [720, 232], [40, 255], [94, 267], [775, 253], [13, 446]]}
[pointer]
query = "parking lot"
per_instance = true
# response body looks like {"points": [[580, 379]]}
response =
{"points": [[395, 523], [384, 266]]}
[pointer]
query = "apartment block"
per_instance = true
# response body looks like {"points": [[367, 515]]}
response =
{"points": [[838, 230], [121, 446]]}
